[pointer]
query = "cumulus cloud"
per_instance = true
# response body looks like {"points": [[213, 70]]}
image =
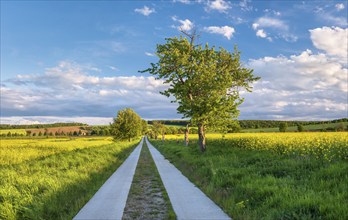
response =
{"points": [[146, 11], [218, 5], [224, 30], [332, 40], [70, 89], [186, 25], [298, 87], [261, 33], [339, 6]]}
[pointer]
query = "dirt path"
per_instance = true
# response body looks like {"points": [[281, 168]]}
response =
{"points": [[147, 198]]}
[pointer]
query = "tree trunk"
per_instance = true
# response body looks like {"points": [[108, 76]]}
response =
{"points": [[163, 137], [186, 138], [201, 137]]}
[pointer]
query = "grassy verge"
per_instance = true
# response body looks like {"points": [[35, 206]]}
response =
{"points": [[261, 184], [58, 185], [147, 197]]}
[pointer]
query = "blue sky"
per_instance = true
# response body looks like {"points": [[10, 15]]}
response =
{"points": [[79, 60]]}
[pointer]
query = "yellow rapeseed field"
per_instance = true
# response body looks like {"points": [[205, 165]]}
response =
{"points": [[14, 151], [52, 178], [323, 145]]}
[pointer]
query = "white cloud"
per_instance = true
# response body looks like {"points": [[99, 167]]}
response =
{"points": [[275, 26], [113, 68], [149, 54], [255, 26], [332, 40], [186, 25], [146, 11], [218, 5], [269, 11], [339, 21], [244, 5], [183, 1], [72, 89], [224, 30], [261, 33], [339, 6], [301, 86], [276, 23]]}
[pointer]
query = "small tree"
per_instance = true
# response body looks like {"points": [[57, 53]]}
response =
{"points": [[205, 82], [300, 128], [158, 128], [283, 126], [126, 125], [143, 127], [339, 127]]}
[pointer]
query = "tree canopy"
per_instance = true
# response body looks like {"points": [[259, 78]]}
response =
{"points": [[127, 125], [204, 81]]}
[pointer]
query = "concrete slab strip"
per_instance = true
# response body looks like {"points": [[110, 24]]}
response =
{"points": [[110, 200], [187, 200]]}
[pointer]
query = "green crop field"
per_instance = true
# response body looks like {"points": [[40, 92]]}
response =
{"points": [[54, 178], [268, 175]]}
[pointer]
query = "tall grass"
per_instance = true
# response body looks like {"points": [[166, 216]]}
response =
{"points": [[57, 185], [258, 176]]}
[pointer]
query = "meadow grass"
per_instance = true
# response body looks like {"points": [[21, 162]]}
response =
{"points": [[268, 176], [57, 185]]}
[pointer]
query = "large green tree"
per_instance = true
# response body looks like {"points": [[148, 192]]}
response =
{"points": [[204, 81], [126, 125]]}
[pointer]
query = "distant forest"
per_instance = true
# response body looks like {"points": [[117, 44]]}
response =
{"points": [[8, 126], [247, 124], [244, 124]]}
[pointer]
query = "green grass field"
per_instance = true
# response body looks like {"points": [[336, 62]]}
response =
{"points": [[54, 178], [268, 176]]}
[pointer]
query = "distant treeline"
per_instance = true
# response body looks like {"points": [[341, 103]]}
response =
{"points": [[247, 124], [7, 126], [171, 122]]}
